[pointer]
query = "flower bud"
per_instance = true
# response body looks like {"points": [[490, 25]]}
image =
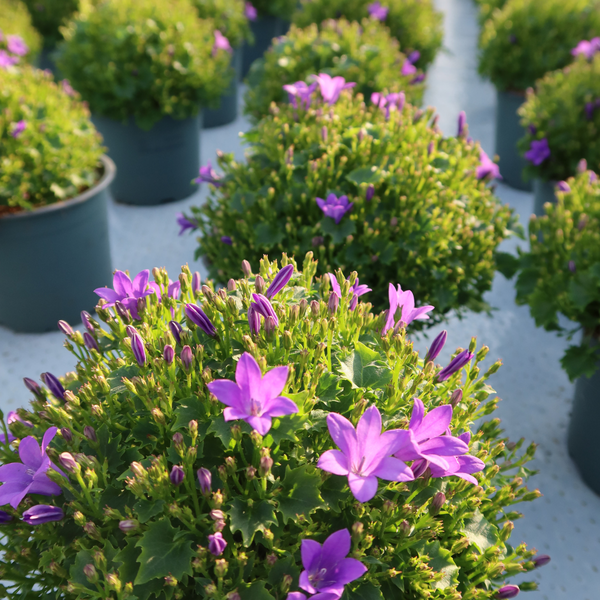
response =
{"points": [[250, 472], [271, 560], [139, 351], [217, 499], [186, 358], [114, 583], [436, 346], [205, 480], [259, 284], [370, 193], [54, 385], [177, 475], [176, 330], [91, 529], [178, 441], [266, 463], [90, 433], [286, 583], [169, 354], [128, 525], [170, 581], [90, 573], [315, 308], [358, 530], [508, 591], [65, 328], [216, 544], [69, 463], [246, 269], [456, 398], [270, 327], [436, 504], [86, 319], [90, 342], [333, 304], [122, 312], [541, 560], [33, 387], [231, 285]]}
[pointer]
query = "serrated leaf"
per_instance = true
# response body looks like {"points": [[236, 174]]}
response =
{"points": [[507, 264], [364, 175], [480, 531], [333, 491], [580, 361], [222, 430], [115, 379], [187, 410], [583, 290], [146, 509], [83, 558], [250, 519], [300, 492], [441, 562], [255, 592], [286, 428], [269, 234], [363, 368], [367, 591], [340, 231], [283, 567]]}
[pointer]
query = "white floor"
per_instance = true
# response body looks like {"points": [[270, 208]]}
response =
{"points": [[536, 394]]}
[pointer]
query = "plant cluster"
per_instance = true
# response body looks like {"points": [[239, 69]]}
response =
{"points": [[228, 16], [526, 39], [372, 186], [228, 445], [560, 275], [49, 149], [361, 52], [563, 111], [15, 22], [487, 7], [145, 59], [416, 24], [274, 8], [49, 16]]}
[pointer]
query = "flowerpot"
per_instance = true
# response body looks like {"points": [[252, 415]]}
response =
{"points": [[508, 132], [543, 191], [264, 30], [54, 257], [583, 430], [228, 108], [154, 166]]}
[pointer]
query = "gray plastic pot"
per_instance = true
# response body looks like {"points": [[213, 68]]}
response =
{"points": [[264, 30], [228, 108], [155, 166], [508, 132], [54, 257], [582, 438], [543, 191]]}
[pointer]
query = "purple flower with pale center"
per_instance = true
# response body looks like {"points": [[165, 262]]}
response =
{"points": [[185, 224], [377, 11], [29, 476], [563, 186], [395, 100], [331, 87], [538, 152], [216, 544], [221, 43], [253, 397], [18, 128], [335, 208], [366, 453], [197, 316], [455, 365], [587, 48], [126, 291], [67, 88], [250, 12], [487, 167], [406, 301], [280, 281], [300, 93], [43, 513], [209, 175], [326, 567], [227, 240], [6, 60], [16, 45]]}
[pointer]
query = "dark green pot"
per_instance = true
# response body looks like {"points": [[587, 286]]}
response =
{"points": [[155, 166], [508, 132], [228, 108], [54, 257], [582, 438], [264, 30], [543, 191]]}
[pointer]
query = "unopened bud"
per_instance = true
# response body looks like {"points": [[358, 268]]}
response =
{"points": [[357, 530], [177, 475], [231, 285], [541, 560], [114, 583], [221, 567], [128, 525], [69, 463], [90, 433], [90, 573], [169, 354], [259, 284], [66, 435], [246, 269], [286, 583], [250, 472], [436, 504], [456, 398], [266, 463]]}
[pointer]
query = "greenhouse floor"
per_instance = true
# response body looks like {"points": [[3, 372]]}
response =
{"points": [[536, 393]]}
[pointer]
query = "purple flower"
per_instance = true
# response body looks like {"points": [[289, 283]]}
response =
{"points": [[300, 92], [253, 397], [208, 175], [176, 330], [327, 570], [196, 281], [16, 45], [205, 480], [487, 167], [18, 128], [186, 357], [455, 365], [572, 266], [67, 88], [227, 240], [253, 319], [436, 346], [377, 11], [387, 103], [43, 513], [462, 123], [29, 476], [264, 308], [508, 591], [216, 544], [408, 68], [588, 49], [250, 12], [198, 317], [54, 385], [331, 87], [355, 291], [370, 193], [185, 224], [32, 386], [538, 152], [334, 207], [590, 107], [406, 301], [126, 291], [14, 417], [337, 290], [365, 453], [6, 60], [5, 517], [280, 281], [177, 475], [563, 186], [169, 354], [221, 43], [137, 345]]}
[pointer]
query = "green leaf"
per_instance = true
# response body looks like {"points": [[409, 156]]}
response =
{"points": [[367, 591], [187, 410], [83, 558], [365, 175], [334, 491], [583, 290], [126, 560], [110, 448], [164, 552], [283, 567], [146, 509], [364, 368], [222, 430], [328, 387], [144, 430], [507, 264], [251, 517], [480, 532], [580, 361], [269, 234], [255, 592], [115, 379], [286, 428], [441, 562], [338, 232], [300, 492]]}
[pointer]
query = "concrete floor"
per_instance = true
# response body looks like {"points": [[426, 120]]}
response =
{"points": [[536, 393]]}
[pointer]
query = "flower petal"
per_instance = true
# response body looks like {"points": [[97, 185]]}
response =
{"points": [[393, 469], [368, 431], [261, 424], [343, 434], [363, 488], [418, 412], [336, 548], [122, 284], [14, 472], [444, 445], [227, 392], [30, 453], [48, 437], [311, 554], [248, 375], [279, 407], [233, 414], [41, 484], [348, 570], [434, 423], [273, 382], [12, 493], [140, 283], [333, 461], [109, 295]]}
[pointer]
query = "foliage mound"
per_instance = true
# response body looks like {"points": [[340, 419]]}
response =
{"points": [[275, 8], [526, 39], [154, 489], [228, 16], [16, 20], [364, 53], [49, 16], [487, 7], [144, 58], [49, 149]]}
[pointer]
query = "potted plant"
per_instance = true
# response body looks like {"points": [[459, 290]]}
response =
{"points": [[372, 185], [53, 202], [416, 24], [19, 41], [361, 52], [145, 67], [268, 19], [560, 277], [239, 446], [519, 44], [561, 118], [231, 21]]}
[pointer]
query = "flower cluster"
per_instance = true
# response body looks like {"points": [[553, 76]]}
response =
{"points": [[230, 17], [19, 41]]}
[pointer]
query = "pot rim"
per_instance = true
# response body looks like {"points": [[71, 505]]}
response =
{"points": [[110, 171]]}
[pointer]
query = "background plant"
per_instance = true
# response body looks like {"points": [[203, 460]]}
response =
{"points": [[564, 109], [49, 16], [137, 420], [487, 7], [275, 8], [49, 149], [416, 24], [144, 59], [15, 20], [560, 275], [526, 39], [228, 16]]}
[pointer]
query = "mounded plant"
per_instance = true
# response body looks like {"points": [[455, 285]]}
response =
{"points": [[361, 52], [49, 147], [49, 16], [367, 185], [145, 59], [229, 445], [274, 8], [526, 39], [562, 120], [560, 275], [416, 24], [487, 7], [16, 29], [228, 16]]}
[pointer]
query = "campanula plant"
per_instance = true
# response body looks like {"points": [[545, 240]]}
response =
{"points": [[487, 7], [49, 16], [19, 40], [274, 8], [260, 441], [364, 53], [229, 18]]}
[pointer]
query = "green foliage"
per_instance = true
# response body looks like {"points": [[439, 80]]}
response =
{"points": [[487, 7], [275, 8], [15, 20], [556, 109], [431, 226], [416, 24], [49, 16], [526, 39], [560, 275], [57, 155], [228, 16], [409, 549], [144, 58], [360, 52]]}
